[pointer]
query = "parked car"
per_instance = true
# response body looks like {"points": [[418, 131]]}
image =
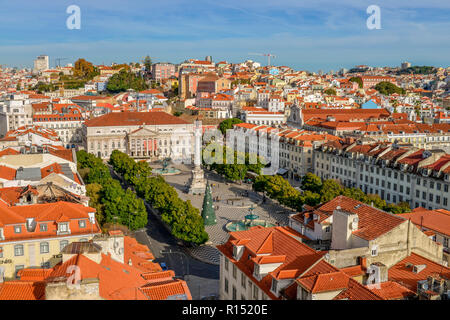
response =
{"points": [[163, 266]]}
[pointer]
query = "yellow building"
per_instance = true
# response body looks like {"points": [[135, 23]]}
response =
{"points": [[34, 235]]}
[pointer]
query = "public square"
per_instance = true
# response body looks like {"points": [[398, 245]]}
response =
{"points": [[231, 201]]}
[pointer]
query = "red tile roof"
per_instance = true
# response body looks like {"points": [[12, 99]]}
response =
{"points": [[391, 290], [117, 281], [22, 290], [402, 272], [50, 213], [7, 173], [325, 282], [372, 221], [134, 119], [275, 242], [436, 220]]}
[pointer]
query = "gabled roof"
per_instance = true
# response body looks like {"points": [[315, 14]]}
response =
{"points": [[402, 272], [325, 282], [273, 244], [131, 118], [436, 220], [391, 290], [372, 221], [22, 290]]}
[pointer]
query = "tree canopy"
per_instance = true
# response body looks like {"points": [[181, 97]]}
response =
{"points": [[184, 219], [330, 92], [125, 80], [84, 70], [388, 88], [316, 191], [228, 124], [418, 70], [112, 202], [357, 80]]}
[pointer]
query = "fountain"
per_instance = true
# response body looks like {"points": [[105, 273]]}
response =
{"points": [[251, 220], [165, 168]]}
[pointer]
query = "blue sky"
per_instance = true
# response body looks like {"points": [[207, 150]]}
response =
{"points": [[306, 35]]}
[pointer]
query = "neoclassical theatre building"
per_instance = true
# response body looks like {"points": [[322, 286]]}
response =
{"points": [[142, 135]]}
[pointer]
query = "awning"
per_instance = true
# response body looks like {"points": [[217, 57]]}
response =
{"points": [[282, 171]]}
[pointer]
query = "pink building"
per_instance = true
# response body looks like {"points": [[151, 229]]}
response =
{"points": [[163, 71]]}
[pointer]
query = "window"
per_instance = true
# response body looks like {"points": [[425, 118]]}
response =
{"points": [[327, 229], [226, 285], [234, 271], [374, 250], [63, 227], [233, 293], [84, 240], [446, 242], [274, 285], [1, 252], [226, 263], [255, 292], [44, 247], [243, 283], [43, 227], [17, 229], [82, 223], [62, 244], [18, 250], [45, 265]]}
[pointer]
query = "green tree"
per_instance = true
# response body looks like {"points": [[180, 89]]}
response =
{"points": [[93, 191], [124, 80], [185, 220], [357, 80], [310, 198], [228, 124], [84, 70], [311, 182], [388, 88], [330, 92], [330, 190]]}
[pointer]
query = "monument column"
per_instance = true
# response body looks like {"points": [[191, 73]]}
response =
{"points": [[198, 182]]}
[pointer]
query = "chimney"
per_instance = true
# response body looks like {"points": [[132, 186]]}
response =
{"points": [[344, 224]]}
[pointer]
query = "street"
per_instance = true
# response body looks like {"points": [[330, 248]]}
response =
{"points": [[202, 278]]}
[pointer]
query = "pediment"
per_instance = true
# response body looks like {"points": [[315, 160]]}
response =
{"points": [[143, 132]]}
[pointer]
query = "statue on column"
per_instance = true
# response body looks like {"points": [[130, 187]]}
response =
{"points": [[198, 182]]}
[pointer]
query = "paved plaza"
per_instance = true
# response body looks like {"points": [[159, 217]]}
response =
{"points": [[232, 204]]}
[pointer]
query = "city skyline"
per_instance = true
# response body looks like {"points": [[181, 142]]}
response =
{"points": [[306, 36]]}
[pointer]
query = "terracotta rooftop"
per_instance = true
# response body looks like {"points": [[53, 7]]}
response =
{"points": [[402, 272], [436, 220], [134, 119]]}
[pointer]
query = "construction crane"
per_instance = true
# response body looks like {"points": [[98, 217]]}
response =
{"points": [[268, 55], [58, 61]]}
